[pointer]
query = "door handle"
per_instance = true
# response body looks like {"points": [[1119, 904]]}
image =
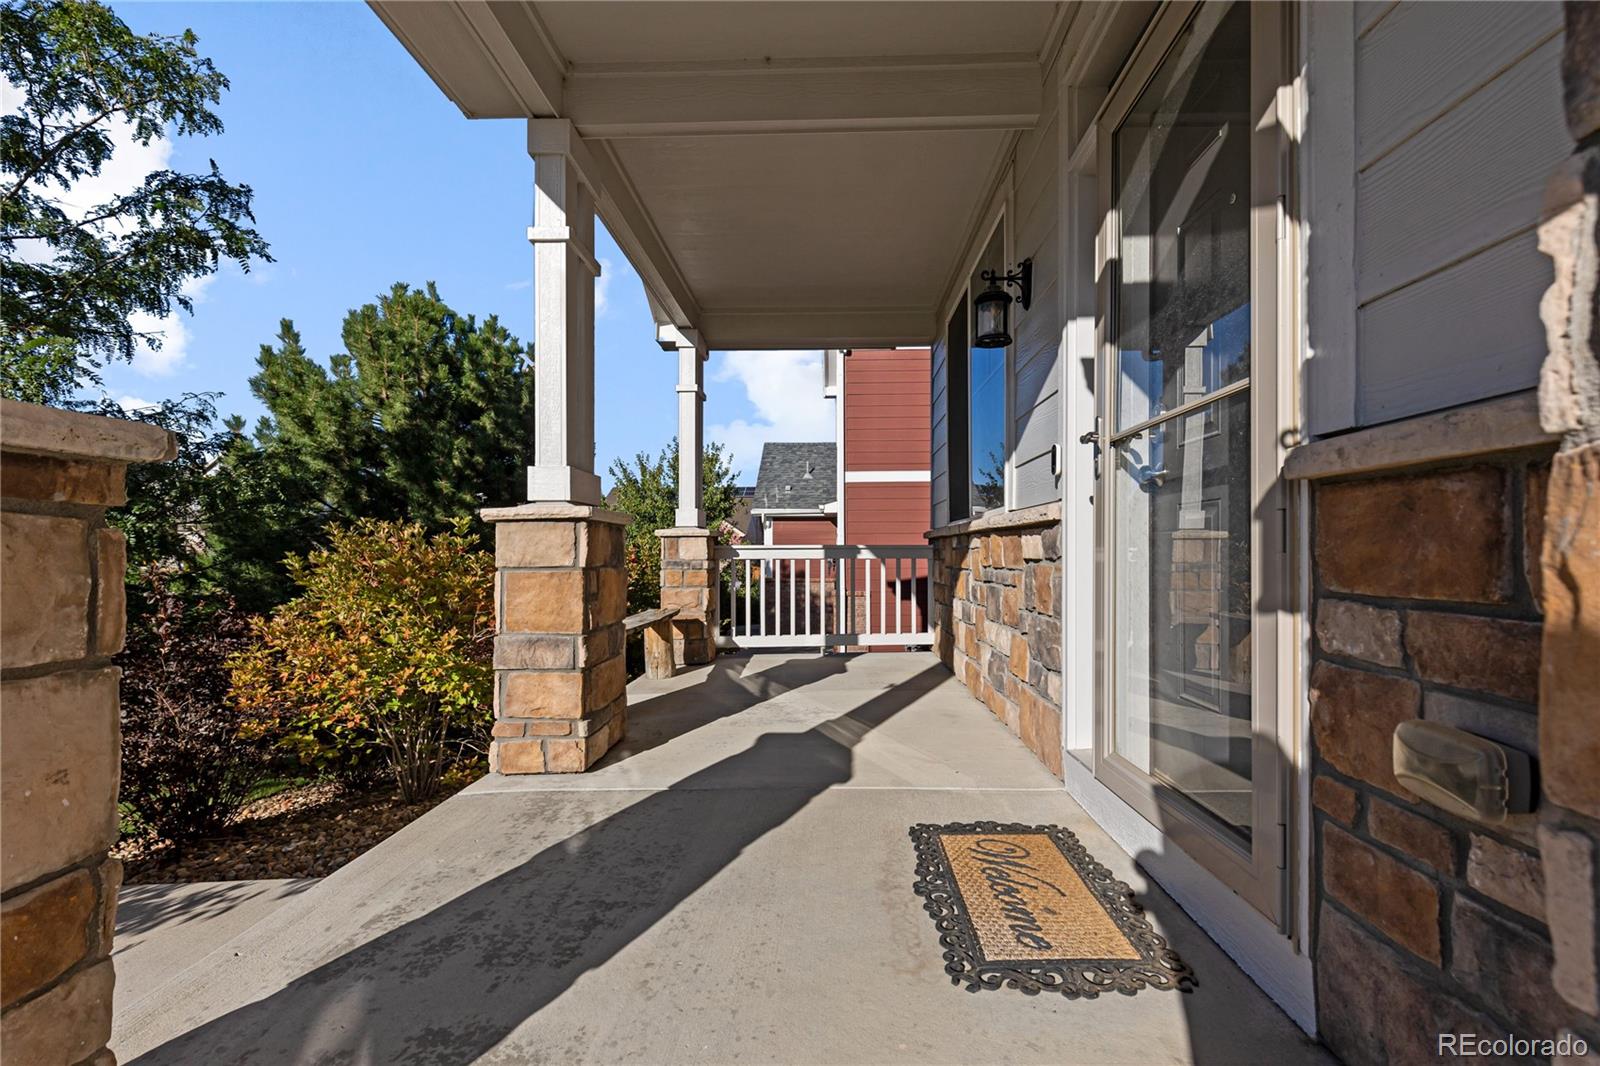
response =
{"points": [[1091, 437]]}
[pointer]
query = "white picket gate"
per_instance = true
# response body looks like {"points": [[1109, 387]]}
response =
{"points": [[831, 596]]}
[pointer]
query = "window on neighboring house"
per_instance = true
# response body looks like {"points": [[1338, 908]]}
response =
{"points": [[986, 419]]}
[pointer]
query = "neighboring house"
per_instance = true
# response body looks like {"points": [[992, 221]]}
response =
{"points": [[884, 423], [1237, 469], [879, 493], [796, 497]]}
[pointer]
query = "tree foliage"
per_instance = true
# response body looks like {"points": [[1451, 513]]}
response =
{"points": [[72, 277], [647, 489], [214, 521], [187, 763], [383, 657], [426, 415]]}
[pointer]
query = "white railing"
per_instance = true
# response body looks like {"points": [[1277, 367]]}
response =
{"points": [[847, 595]]}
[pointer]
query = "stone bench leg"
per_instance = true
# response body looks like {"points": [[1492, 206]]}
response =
{"points": [[659, 661]]}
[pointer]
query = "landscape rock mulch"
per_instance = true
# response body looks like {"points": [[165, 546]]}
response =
{"points": [[309, 831]]}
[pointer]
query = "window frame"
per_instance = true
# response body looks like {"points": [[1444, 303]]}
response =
{"points": [[959, 418]]}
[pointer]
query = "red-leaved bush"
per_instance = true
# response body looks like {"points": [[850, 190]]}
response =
{"points": [[188, 760]]}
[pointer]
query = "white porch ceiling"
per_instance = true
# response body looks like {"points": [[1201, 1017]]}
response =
{"points": [[648, 32], [781, 175]]}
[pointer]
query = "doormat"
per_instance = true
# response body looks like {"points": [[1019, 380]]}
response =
{"points": [[1026, 907]]}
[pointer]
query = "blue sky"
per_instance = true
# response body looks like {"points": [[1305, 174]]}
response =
{"points": [[364, 175]]}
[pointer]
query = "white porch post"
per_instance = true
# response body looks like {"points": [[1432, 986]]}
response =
{"points": [[689, 563], [561, 589], [564, 269], [692, 355]]}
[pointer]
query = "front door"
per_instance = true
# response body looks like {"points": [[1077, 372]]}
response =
{"points": [[1191, 535]]}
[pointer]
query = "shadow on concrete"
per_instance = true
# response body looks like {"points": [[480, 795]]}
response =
{"points": [[142, 908], [729, 687], [448, 986]]}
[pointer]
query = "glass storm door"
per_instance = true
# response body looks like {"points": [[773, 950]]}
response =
{"points": [[1187, 732]]}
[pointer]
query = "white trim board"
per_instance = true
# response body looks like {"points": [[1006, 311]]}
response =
{"points": [[1248, 936], [854, 477]]}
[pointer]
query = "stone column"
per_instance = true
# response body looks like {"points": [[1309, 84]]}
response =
{"points": [[689, 583], [1569, 404], [61, 620], [560, 596], [564, 269], [688, 563], [561, 590]]}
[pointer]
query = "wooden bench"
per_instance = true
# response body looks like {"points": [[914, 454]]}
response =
{"points": [[657, 626]]}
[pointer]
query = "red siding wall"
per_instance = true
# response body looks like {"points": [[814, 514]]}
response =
{"points": [[887, 410], [820, 530], [886, 512], [886, 427], [887, 406]]}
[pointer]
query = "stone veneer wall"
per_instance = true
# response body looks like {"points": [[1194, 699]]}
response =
{"points": [[689, 583], [1426, 605], [1470, 594], [61, 620], [1569, 403], [996, 610], [561, 679]]}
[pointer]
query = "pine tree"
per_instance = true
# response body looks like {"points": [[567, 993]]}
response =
{"points": [[426, 417]]}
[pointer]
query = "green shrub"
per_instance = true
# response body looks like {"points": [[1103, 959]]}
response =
{"points": [[647, 490], [383, 660]]}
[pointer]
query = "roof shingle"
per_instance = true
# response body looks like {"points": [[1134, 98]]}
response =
{"points": [[797, 474]]}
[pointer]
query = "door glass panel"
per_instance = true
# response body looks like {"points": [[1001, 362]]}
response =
{"points": [[1182, 184], [1182, 599], [1181, 489], [988, 418]]}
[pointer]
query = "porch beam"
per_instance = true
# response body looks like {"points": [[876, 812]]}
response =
{"points": [[692, 356], [817, 328], [991, 94], [630, 225], [564, 269]]}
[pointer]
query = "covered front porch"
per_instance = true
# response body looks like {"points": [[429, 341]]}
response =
{"points": [[731, 883]]}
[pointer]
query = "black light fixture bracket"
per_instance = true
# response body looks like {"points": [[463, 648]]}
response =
{"points": [[1022, 278]]}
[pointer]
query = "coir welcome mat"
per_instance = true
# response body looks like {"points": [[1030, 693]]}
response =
{"points": [[1026, 907]]}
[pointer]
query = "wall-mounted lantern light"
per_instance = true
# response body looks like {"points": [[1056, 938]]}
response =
{"points": [[991, 307]]}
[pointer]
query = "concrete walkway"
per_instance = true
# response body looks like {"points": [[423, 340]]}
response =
{"points": [[732, 885], [162, 930]]}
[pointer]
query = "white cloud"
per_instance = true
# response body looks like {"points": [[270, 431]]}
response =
{"points": [[785, 388], [132, 404], [174, 333]]}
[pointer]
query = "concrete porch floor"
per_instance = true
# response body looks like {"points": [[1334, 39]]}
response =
{"points": [[732, 884]]}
